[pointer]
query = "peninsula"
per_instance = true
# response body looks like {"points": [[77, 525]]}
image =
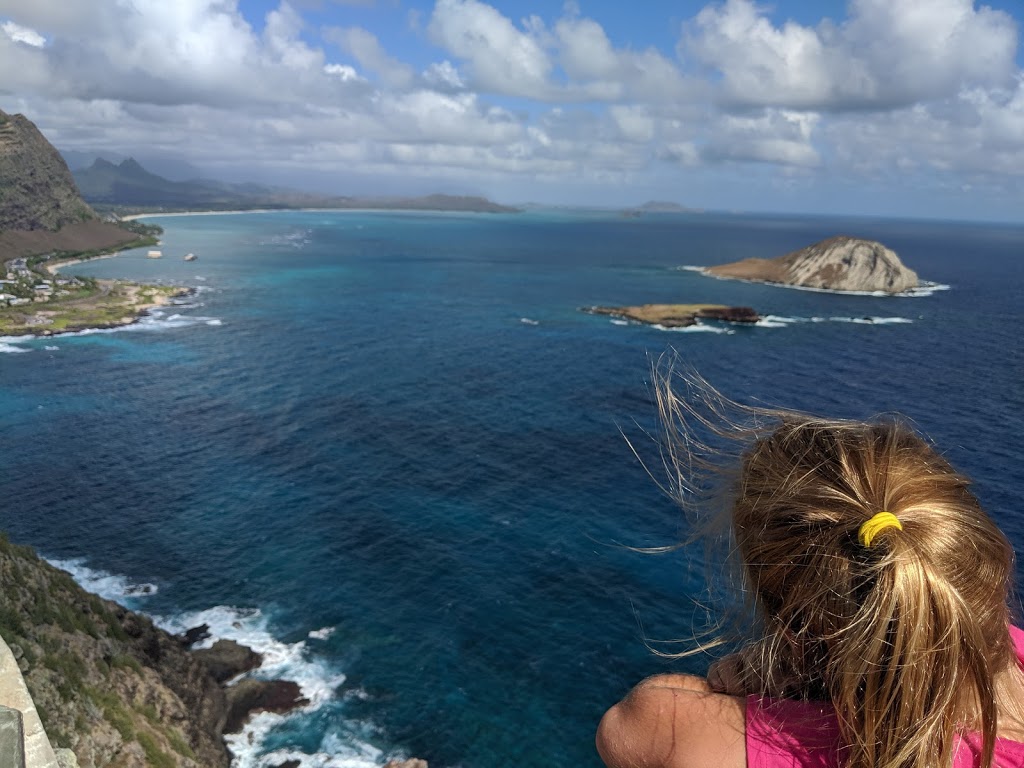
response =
{"points": [[837, 264], [678, 315], [44, 223]]}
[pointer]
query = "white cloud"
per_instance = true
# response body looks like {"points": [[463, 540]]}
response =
{"points": [[775, 136], [500, 57], [367, 50], [634, 123], [443, 75], [604, 73], [887, 54], [899, 89], [20, 34], [342, 71]]}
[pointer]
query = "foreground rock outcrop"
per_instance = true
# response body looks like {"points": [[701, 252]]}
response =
{"points": [[106, 682], [838, 264], [678, 315], [113, 688]]}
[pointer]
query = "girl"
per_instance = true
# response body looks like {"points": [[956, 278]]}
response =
{"points": [[880, 589]]}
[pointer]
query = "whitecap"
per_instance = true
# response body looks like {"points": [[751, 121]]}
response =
{"points": [[287, 661], [619, 322], [321, 634], [923, 289], [867, 320], [150, 322], [50, 348], [10, 348], [332, 753], [107, 585], [690, 268], [696, 328], [200, 278], [528, 321], [281, 660]]}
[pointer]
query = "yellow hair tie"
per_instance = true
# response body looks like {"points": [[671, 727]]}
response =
{"points": [[876, 525]]}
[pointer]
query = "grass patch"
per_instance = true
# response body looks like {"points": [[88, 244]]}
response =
{"points": [[124, 661], [179, 745], [114, 712], [155, 756]]}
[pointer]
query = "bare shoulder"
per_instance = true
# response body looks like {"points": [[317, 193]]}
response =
{"points": [[674, 721]]}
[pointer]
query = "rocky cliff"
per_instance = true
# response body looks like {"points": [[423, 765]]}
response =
{"points": [[839, 264], [106, 682], [37, 190]]}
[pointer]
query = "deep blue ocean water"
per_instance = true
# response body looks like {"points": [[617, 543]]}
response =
{"points": [[385, 449]]}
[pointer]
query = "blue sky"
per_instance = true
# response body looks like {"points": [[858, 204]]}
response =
{"points": [[867, 107]]}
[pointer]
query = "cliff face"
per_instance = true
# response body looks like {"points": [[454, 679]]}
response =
{"points": [[37, 191], [839, 264], [106, 682]]}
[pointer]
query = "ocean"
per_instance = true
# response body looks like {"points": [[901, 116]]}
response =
{"points": [[389, 451]]}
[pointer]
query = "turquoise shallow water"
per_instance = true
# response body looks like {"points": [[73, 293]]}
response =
{"points": [[386, 449]]}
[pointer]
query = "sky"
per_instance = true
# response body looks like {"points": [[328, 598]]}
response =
{"points": [[903, 108]]}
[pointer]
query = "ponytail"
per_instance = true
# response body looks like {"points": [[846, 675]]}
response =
{"points": [[915, 672]]}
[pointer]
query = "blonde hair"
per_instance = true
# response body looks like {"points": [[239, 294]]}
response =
{"points": [[906, 638]]}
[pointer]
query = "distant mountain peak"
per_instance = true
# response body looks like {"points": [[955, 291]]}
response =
{"points": [[131, 164]]}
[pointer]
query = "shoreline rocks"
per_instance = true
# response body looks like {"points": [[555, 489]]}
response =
{"points": [[839, 263], [249, 696], [678, 315], [227, 659]]}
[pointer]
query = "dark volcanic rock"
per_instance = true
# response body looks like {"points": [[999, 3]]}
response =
{"points": [[227, 659], [251, 696], [838, 264], [195, 635], [37, 190]]}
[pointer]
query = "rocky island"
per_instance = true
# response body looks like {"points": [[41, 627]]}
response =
{"points": [[678, 315], [837, 264]]}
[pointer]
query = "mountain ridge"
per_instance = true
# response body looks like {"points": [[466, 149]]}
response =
{"points": [[37, 191]]}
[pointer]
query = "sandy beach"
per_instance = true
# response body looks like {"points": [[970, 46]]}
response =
{"points": [[54, 267]]}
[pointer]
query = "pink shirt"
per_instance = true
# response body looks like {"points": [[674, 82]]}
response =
{"points": [[805, 734]]}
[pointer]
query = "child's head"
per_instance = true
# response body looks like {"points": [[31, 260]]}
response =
{"points": [[803, 495], [904, 629]]}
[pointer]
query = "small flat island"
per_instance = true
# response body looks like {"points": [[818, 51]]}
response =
{"points": [[678, 315]]}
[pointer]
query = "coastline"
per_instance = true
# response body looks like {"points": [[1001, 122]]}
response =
{"points": [[166, 214], [54, 267], [131, 303]]}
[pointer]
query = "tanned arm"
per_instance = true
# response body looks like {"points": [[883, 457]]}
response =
{"points": [[674, 721]]}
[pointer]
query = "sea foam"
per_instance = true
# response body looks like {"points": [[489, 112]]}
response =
{"points": [[110, 586], [317, 680]]}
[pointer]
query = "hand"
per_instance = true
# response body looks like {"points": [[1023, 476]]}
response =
{"points": [[730, 675]]}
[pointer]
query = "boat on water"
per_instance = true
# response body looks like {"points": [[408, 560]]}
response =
{"points": [[154, 254], [190, 257]]}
